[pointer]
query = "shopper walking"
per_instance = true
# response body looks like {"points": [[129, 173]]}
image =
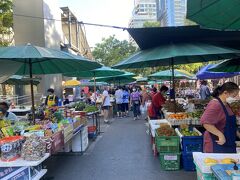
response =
{"points": [[106, 105], [135, 103], [119, 101], [125, 101], [204, 91]]}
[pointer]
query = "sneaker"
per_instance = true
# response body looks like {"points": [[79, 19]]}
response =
{"points": [[134, 118], [106, 121]]}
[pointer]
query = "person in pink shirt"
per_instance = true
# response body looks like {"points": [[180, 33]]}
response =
{"points": [[219, 121]]}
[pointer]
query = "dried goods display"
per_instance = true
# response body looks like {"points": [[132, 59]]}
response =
{"points": [[166, 131], [171, 106], [34, 148]]}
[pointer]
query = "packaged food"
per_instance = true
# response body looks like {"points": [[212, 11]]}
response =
{"points": [[34, 148], [11, 148]]}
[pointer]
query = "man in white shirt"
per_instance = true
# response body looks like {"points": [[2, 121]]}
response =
{"points": [[5, 114], [106, 104], [119, 101]]}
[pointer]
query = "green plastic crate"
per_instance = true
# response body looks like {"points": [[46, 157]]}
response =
{"points": [[204, 176], [170, 161], [167, 144]]}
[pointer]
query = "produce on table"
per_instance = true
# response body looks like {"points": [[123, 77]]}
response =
{"points": [[185, 131], [173, 107], [178, 116], [165, 131], [80, 106], [90, 109], [228, 161], [34, 148], [210, 161], [197, 114]]}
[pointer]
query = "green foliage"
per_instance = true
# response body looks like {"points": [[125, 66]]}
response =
{"points": [[111, 50], [151, 24], [6, 19]]}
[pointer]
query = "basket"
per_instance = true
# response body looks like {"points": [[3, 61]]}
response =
{"points": [[167, 144], [191, 144], [170, 161], [187, 161]]}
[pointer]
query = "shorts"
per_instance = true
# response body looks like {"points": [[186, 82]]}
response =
{"points": [[125, 107], [119, 107], [106, 107]]}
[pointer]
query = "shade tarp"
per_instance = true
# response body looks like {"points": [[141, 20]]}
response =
{"points": [[20, 80], [180, 53], [125, 78], [205, 73], [232, 65], [215, 14], [167, 74], [155, 36]]}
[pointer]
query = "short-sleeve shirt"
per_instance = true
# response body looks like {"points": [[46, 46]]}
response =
{"points": [[107, 99], [10, 116], [119, 96], [135, 96], [125, 97], [214, 115]]}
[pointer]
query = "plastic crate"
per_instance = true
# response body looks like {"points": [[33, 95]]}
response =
{"points": [[187, 161], [191, 144], [204, 176], [167, 144], [170, 161]]}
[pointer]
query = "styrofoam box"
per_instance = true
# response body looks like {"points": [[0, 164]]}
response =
{"points": [[199, 158], [76, 143], [154, 124]]}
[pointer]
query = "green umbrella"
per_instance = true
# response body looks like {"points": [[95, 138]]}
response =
{"points": [[167, 74], [215, 14], [232, 65], [124, 78], [20, 80], [99, 72], [179, 53], [39, 60]]}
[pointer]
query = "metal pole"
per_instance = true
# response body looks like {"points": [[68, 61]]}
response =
{"points": [[173, 85], [32, 92], [95, 88]]}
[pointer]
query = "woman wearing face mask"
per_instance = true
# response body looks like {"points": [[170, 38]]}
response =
{"points": [[135, 100], [219, 121], [5, 114], [154, 110]]}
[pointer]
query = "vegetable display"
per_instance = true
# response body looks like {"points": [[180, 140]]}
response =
{"points": [[166, 131], [90, 109]]}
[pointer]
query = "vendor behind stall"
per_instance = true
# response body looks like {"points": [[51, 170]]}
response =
{"points": [[5, 114], [52, 99], [219, 121]]}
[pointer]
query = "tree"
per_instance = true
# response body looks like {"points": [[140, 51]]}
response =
{"points": [[111, 50], [6, 22], [151, 24]]}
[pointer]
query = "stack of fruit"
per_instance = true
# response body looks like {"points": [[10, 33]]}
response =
{"points": [[185, 131], [178, 116]]}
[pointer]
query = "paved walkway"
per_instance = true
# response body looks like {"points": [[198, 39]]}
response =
{"points": [[123, 152]]}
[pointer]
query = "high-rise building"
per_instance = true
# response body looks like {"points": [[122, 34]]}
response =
{"points": [[171, 12], [144, 11]]}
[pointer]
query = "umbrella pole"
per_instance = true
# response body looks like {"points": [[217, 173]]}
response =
{"points": [[95, 89], [32, 93], [173, 85]]}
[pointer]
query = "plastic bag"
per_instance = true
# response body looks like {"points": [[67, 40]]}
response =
{"points": [[143, 109]]}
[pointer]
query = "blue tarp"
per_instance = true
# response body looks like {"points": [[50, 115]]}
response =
{"points": [[205, 74]]}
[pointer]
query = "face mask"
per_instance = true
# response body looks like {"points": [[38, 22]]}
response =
{"points": [[134, 90], [230, 100], [148, 91]]}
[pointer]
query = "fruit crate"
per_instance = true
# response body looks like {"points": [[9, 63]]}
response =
{"points": [[187, 162], [92, 132], [167, 144], [170, 161], [191, 144]]}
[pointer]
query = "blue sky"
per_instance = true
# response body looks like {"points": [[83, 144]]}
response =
{"points": [[109, 12]]}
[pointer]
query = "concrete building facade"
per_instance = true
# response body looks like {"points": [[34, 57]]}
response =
{"points": [[42, 23], [171, 12]]}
